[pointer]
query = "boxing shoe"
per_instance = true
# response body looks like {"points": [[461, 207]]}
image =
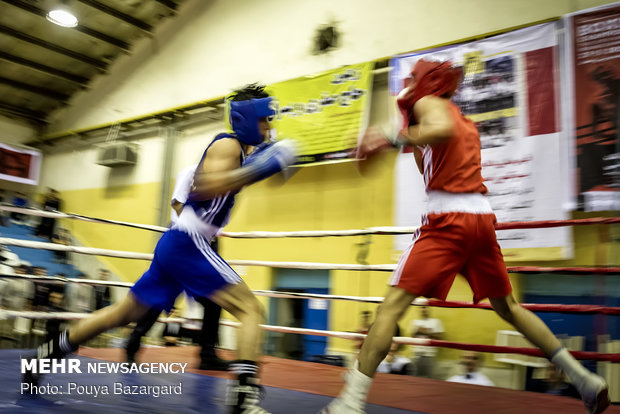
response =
{"points": [[338, 406], [57, 348], [595, 394], [244, 397], [213, 363], [352, 400]]}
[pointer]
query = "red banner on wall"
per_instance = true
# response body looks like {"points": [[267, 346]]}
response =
{"points": [[19, 165], [594, 48], [541, 92]]}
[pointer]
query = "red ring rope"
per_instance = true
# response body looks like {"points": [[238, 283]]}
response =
{"points": [[534, 307], [497, 349]]}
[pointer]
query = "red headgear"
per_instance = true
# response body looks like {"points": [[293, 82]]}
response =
{"points": [[427, 78]]}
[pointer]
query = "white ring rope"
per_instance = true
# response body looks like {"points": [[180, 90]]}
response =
{"points": [[344, 335], [57, 214], [312, 265], [75, 249], [420, 301], [291, 265], [61, 279], [384, 230], [149, 256]]}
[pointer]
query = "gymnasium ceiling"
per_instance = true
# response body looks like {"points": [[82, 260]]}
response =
{"points": [[42, 64]]}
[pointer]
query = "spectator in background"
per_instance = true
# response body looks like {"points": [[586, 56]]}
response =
{"points": [[470, 361], [19, 293], [19, 200], [102, 292], [61, 237], [2, 200], [394, 363], [365, 322], [42, 290], [8, 260], [51, 202], [424, 356], [80, 296], [59, 287], [172, 330], [56, 304]]}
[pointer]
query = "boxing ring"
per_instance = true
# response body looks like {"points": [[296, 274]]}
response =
{"points": [[291, 386]]}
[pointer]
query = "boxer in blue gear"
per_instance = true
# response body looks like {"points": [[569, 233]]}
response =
{"points": [[183, 259]]}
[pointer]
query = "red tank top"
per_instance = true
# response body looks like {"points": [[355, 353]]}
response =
{"points": [[454, 166]]}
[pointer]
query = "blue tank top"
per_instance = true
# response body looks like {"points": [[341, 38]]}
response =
{"points": [[214, 212]]}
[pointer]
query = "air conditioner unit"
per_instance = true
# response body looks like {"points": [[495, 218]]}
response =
{"points": [[117, 153]]}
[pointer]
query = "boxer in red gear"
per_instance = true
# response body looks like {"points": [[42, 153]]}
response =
{"points": [[457, 236]]}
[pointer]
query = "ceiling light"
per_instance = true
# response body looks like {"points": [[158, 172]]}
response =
{"points": [[62, 17]]}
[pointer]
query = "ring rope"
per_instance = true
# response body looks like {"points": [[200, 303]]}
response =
{"points": [[294, 265], [385, 230], [62, 279], [75, 249], [594, 356], [58, 214], [535, 307]]}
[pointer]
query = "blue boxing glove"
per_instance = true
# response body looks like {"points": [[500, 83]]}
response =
{"points": [[271, 159], [257, 150]]}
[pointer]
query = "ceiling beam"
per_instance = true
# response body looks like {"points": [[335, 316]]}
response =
{"points": [[58, 96], [80, 80], [55, 48], [119, 15], [36, 116], [169, 4], [80, 28], [103, 37]]}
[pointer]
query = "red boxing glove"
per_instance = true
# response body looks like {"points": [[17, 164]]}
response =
{"points": [[373, 142]]}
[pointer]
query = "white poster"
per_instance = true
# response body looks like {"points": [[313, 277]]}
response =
{"points": [[511, 91]]}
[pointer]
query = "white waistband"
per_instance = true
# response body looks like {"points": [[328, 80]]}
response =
{"points": [[189, 222], [445, 202]]}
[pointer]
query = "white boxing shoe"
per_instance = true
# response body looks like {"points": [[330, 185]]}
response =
{"points": [[338, 406], [595, 394]]}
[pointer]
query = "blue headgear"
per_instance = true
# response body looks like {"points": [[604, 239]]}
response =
{"points": [[244, 116]]}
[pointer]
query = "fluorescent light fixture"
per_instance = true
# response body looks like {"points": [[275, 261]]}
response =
{"points": [[62, 17]]}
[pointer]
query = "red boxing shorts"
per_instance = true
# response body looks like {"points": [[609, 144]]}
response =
{"points": [[448, 244]]}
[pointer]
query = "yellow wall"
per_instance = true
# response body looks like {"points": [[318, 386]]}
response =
{"points": [[132, 203]]}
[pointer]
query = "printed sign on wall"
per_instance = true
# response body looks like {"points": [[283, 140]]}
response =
{"points": [[325, 113]]}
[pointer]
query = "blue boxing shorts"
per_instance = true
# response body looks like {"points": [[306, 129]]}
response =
{"points": [[181, 262]]}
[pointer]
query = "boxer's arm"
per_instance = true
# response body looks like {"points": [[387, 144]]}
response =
{"points": [[213, 176], [222, 171], [435, 122], [373, 142]]}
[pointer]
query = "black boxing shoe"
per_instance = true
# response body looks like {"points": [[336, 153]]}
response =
{"points": [[56, 348]]}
